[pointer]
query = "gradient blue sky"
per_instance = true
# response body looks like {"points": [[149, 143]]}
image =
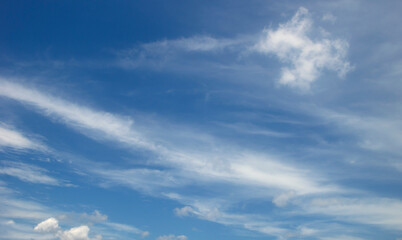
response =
{"points": [[200, 120]]}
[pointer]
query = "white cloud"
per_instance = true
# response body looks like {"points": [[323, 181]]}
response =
{"points": [[282, 199], [341, 237], [306, 57], [27, 173], [172, 237], [13, 138], [192, 44], [251, 175], [376, 132], [51, 225], [227, 165], [98, 124], [184, 211], [77, 233], [378, 211], [14, 208], [329, 17], [96, 216], [18, 218], [10, 222], [124, 227], [213, 210]]}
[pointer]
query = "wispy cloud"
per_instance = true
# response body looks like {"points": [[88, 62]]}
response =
{"points": [[253, 175], [376, 211], [27, 173], [191, 44], [374, 132], [172, 237], [260, 169], [94, 122], [10, 137]]}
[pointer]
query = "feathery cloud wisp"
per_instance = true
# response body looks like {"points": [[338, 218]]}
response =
{"points": [[27, 173]]}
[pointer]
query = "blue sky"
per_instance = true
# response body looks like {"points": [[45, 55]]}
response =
{"points": [[194, 120]]}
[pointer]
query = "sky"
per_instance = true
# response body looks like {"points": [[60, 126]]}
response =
{"points": [[199, 120]]}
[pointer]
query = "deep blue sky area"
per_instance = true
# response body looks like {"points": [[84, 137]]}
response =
{"points": [[200, 120]]}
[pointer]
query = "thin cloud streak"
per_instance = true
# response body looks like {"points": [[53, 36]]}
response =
{"points": [[240, 170], [221, 167], [10, 137], [27, 173]]}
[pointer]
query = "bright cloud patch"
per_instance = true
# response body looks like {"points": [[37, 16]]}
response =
{"points": [[51, 225], [304, 56], [172, 237], [12, 138]]}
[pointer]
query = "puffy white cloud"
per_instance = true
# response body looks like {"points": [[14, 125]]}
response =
{"points": [[77, 233], [306, 57], [172, 237], [51, 225]]}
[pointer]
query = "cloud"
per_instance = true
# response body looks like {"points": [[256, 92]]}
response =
{"points": [[343, 237], [184, 211], [370, 133], [27, 173], [172, 237], [18, 218], [329, 18], [226, 165], [378, 211], [14, 208], [51, 225], [283, 199], [124, 227], [12, 138], [77, 233], [144, 234], [97, 124], [191, 44], [243, 174], [96, 216], [215, 210], [306, 57]]}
